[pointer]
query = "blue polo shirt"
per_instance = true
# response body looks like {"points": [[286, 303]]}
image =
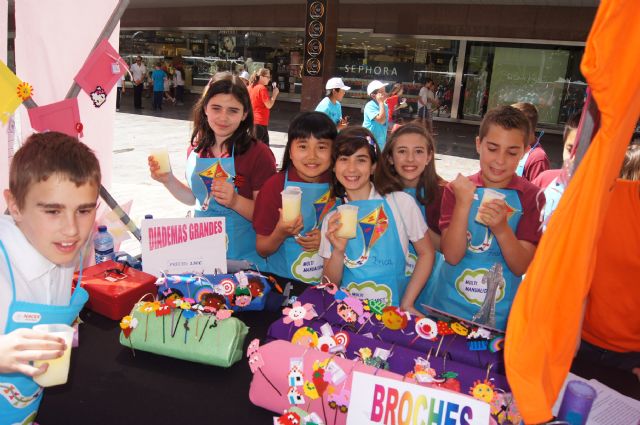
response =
{"points": [[158, 77], [333, 110], [371, 110]]}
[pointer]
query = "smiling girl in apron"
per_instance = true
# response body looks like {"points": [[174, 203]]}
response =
{"points": [[373, 263], [307, 158], [21, 396], [226, 167]]}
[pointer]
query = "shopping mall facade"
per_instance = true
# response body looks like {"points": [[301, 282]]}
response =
{"points": [[479, 55]]}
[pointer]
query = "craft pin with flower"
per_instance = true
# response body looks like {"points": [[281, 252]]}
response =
{"points": [[298, 313]]}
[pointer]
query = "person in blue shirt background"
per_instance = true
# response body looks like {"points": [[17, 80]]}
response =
{"points": [[331, 106], [376, 112], [158, 76]]}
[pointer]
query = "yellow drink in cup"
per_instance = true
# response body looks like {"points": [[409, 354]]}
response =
{"points": [[349, 221], [487, 196], [291, 198], [161, 155], [58, 370]]}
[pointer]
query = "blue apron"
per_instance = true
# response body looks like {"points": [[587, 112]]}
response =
{"points": [[374, 261], [458, 290], [21, 396], [290, 260], [241, 238], [411, 260], [552, 195], [520, 167]]}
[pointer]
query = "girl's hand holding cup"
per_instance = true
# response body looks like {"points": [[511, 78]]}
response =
{"points": [[224, 193], [311, 241], [289, 228], [338, 243]]}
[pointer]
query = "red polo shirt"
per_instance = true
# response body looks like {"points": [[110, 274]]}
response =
{"points": [[531, 199]]}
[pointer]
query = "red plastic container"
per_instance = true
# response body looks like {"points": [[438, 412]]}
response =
{"points": [[114, 288]]}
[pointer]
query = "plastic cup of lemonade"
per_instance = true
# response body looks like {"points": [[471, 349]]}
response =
{"points": [[291, 198], [161, 155], [489, 195], [58, 370], [349, 220]]}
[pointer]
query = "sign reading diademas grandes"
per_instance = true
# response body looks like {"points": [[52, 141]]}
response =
{"points": [[387, 401], [184, 245]]}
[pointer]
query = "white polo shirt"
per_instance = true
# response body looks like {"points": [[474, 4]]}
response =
{"points": [[406, 213], [37, 279]]}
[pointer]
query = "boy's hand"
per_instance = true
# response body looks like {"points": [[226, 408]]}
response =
{"points": [[338, 243], [153, 169], [380, 97], [289, 228], [224, 193], [311, 241], [494, 214], [463, 189], [22, 346]]}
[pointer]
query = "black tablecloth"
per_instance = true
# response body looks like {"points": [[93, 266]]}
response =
{"points": [[108, 385]]}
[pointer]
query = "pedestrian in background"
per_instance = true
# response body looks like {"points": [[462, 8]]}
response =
{"points": [[139, 74], [261, 102], [376, 112], [331, 106]]}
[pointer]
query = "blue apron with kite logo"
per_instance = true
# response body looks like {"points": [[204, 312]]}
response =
{"points": [[458, 290], [374, 261], [201, 174], [290, 260]]}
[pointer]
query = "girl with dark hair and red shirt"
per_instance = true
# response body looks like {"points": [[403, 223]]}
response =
{"points": [[226, 166]]}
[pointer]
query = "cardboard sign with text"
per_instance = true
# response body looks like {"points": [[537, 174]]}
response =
{"points": [[184, 245], [381, 400]]}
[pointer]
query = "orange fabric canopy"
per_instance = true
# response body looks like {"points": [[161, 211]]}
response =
{"points": [[544, 324]]}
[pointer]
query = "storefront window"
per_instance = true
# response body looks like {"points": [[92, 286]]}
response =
{"points": [[363, 57], [203, 53], [502, 74]]}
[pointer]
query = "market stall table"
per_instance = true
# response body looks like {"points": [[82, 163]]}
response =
{"points": [[108, 385]]}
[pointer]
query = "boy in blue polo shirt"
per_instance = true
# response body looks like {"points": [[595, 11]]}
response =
{"points": [[376, 112]]}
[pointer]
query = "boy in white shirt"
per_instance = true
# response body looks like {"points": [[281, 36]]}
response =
{"points": [[54, 182]]}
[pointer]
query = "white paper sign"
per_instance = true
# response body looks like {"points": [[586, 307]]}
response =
{"points": [[381, 400], [184, 245]]}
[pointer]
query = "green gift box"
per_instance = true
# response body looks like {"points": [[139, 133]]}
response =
{"points": [[205, 339]]}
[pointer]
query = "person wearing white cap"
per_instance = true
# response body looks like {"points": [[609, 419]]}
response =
{"points": [[376, 112], [330, 105], [244, 76]]}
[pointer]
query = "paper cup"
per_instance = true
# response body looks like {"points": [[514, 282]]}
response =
{"points": [[291, 198], [349, 221], [58, 370], [489, 195], [161, 155]]}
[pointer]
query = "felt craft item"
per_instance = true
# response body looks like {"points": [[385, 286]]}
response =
{"points": [[10, 97], [242, 291], [451, 335], [218, 344], [470, 365], [102, 68], [331, 402], [62, 116], [114, 288]]}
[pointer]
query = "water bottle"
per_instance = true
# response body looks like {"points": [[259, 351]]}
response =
{"points": [[103, 245]]}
